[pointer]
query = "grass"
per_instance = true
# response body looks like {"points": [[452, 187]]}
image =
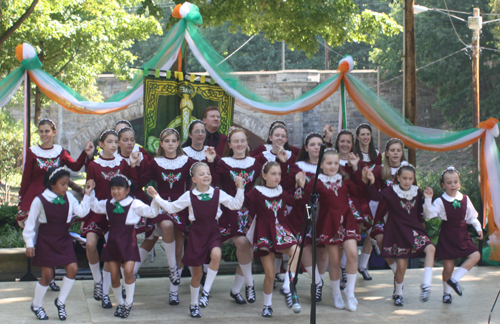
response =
{"points": [[11, 237]]}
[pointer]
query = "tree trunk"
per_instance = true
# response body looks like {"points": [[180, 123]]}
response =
{"points": [[18, 23]]}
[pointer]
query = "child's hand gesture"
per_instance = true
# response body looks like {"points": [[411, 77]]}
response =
{"points": [[89, 186], [282, 156], [239, 182], [135, 159], [480, 235], [300, 179], [428, 192], [328, 131], [210, 153], [367, 176], [151, 191], [89, 149], [354, 161], [30, 252]]}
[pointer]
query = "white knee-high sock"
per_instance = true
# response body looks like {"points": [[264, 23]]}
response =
{"points": [[96, 272], [286, 283], [39, 294], [174, 288], [237, 284], [446, 288], [394, 267], [399, 289], [143, 253], [335, 287], [170, 252], [286, 257], [363, 264], [277, 265], [351, 283], [106, 282], [343, 260], [427, 277], [130, 290], [194, 295], [247, 273], [65, 289], [209, 280], [268, 299], [459, 273], [318, 276], [118, 295]]}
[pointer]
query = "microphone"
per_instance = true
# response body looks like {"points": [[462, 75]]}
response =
{"points": [[295, 299]]}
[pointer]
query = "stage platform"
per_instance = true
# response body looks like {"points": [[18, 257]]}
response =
{"points": [[480, 286]]}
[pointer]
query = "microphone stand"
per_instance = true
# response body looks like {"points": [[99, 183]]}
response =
{"points": [[310, 219]]}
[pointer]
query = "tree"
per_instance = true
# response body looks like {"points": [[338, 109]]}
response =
{"points": [[452, 76], [76, 42], [298, 22], [10, 30]]}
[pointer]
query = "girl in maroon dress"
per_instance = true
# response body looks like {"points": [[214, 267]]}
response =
{"points": [[170, 169], [336, 225], [123, 212], [234, 225], [359, 206], [39, 159], [306, 162], [365, 148], [47, 238], [95, 225], [270, 232], [384, 175], [204, 239], [405, 236], [194, 146], [136, 147], [269, 144], [456, 211]]}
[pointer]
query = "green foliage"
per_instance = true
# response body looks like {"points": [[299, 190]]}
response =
{"points": [[469, 180], [76, 41], [229, 252], [8, 216], [11, 237], [451, 77], [298, 22]]}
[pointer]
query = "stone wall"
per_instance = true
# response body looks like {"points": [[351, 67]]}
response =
{"points": [[74, 129]]}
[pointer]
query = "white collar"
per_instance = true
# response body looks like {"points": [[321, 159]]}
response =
{"points": [[49, 195], [307, 167], [324, 178], [270, 192], [268, 147], [172, 164], [366, 156], [194, 154], [405, 194], [210, 191], [54, 152], [127, 159], [108, 163], [239, 163], [124, 202], [458, 197], [270, 156], [343, 162], [394, 170]]}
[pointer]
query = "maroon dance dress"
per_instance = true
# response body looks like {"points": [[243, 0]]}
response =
{"points": [[172, 176], [336, 223], [48, 224], [38, 161], [235, 223], [404, 232], [270, 231], [267, 147], [102, 171]]}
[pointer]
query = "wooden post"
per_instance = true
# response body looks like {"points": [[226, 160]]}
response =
{"points": [[378, 96], [410, 73], [327, 60], [475, 87]]}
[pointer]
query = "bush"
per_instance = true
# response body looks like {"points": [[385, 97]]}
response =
{"points": [[11, 237], [228, 252], [469, 180], [8, 216]]}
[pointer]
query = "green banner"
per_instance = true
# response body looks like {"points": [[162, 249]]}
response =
{"points": [[170, 103]]}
